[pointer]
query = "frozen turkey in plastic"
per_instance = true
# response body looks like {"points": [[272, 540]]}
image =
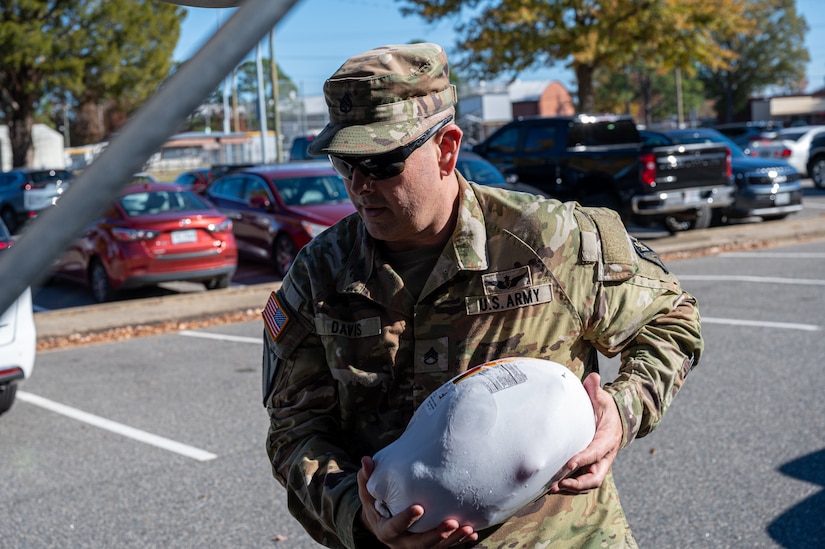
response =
{"points": [[485, 444]]}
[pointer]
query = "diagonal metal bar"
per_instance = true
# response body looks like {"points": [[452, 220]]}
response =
{"points": [[27, 262]]}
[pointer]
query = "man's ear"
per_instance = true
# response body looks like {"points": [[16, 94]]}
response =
{"points": [[449, 143]]}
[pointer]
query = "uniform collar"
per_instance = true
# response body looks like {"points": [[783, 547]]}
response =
{"points": [[466, 250]]}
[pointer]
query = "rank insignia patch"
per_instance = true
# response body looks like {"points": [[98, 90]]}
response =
{"points": [[647, 253]]}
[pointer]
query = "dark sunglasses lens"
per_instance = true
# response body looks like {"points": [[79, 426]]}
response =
{"points": [[371, 167], [341, 166], [381, 169]]}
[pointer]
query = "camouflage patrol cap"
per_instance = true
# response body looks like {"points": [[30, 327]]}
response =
{"points": [[384, 98]]}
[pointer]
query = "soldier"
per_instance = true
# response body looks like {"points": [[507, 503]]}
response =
{"points": [[435, 275]]}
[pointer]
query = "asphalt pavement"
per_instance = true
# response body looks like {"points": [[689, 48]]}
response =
{"points": [[244, 302]]}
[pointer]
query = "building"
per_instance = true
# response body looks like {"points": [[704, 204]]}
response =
{"points": [[47, 148], [791, 109], [483, 108]]}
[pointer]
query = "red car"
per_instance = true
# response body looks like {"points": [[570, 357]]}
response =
{"points": [[152, 233], [277, 209]]}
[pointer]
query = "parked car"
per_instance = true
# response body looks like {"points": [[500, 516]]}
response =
{"points": [[768, 188], [796, 140], [298, 149], [194, 180], [479, 170], [17, 338], [745, 134], [277, 209], [152, 233], [25, 192], [816, 161], [144, 177]]}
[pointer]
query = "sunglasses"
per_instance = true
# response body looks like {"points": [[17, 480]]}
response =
{"points": [[386, 165]]}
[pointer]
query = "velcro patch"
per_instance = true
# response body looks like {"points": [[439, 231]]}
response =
{"points": [[521, 297], [646, 252], [275, 317]]}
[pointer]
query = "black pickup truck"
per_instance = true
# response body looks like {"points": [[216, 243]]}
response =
{"points": [[603, 161]]}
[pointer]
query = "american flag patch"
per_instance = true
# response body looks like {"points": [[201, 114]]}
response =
{"points": [[275, 318]]}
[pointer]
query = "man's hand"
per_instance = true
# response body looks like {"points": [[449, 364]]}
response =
{"points": [[587, 469], [393, 531]]}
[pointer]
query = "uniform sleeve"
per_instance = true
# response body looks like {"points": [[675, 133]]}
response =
{"points": [[304, 443], [647, 317]]}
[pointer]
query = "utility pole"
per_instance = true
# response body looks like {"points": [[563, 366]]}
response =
{"points": [[261, 102], [273, 66], [236, 115], [679, 108], [225, 91]]}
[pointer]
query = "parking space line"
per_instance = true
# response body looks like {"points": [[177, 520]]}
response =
{"points": [[775, 255], [222, 337], [117, 428], [759, 279], [762, 324]]}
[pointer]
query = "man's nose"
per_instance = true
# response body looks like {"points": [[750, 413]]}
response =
{"points": [[361, 184]]}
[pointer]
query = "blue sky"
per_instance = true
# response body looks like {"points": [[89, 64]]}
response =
{"points": [[318, 35]]}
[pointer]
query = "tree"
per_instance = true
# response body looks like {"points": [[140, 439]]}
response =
{"points": [[79, 53], [647, 95], [774, 57], [505, 38]]}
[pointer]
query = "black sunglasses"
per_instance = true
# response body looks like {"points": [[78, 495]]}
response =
{"points": [[386, 165]]}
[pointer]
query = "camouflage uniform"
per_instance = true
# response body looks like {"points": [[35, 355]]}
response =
{"points": [[349, 353]]}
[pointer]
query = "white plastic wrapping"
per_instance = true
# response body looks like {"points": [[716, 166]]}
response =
{"points": [[485, 444]]}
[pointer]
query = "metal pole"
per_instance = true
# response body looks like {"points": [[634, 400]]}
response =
{"points": [[274, 75], [27, 263], [261, 101], [680, 109]]}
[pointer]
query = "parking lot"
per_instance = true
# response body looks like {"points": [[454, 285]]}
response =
{"points": [[159, 441]]}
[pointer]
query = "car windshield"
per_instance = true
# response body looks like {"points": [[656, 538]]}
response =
{"points": [[155, 202], [50, 175], [700, 137], [479, 171], [312, 190]]}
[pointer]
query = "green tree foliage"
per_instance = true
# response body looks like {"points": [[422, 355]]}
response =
{"points": [[775, 57], [80, 53], [648, 95], [506, 37]]}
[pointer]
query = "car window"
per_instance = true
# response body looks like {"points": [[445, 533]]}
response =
{"points": [[155, 202], [654, 140], [308, 190], [50, 175], [539, 138], [255, 187], [229, 187], [505, 141], [480, 172], [186, 179], [789, 136]]}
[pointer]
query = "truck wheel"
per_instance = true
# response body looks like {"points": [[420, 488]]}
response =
{"points": [[676, 225], [817, 171], [7, 392], [704, 218], [9, 219]]}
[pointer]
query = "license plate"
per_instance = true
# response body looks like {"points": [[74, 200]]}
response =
{"points": [[692, 197], [782, 199], [183, 237]]}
